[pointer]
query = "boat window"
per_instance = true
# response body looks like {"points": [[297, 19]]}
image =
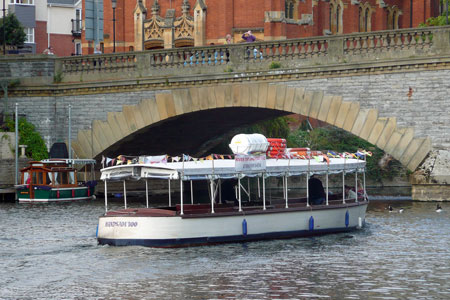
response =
{"points": [[55, 178], [63, 177], [33, 178], [40, 178], [71, 177], [26, 176], [47, 178]]}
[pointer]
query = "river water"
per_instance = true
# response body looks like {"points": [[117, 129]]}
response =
{"points": [[50, 251]]}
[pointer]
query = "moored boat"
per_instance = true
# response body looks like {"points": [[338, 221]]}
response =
{"points": [[54, 180], [233, 220]]}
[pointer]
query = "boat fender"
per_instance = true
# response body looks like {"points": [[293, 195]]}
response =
{"points": [[244, 227], [89, 192], [96, 232], [73, 193], [57, 194], [311, 223], [347, 217]]}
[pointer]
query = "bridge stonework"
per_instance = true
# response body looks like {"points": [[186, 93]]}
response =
{"points": [[392, 93]]}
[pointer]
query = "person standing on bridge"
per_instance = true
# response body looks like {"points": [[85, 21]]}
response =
{"points": [[248, 37]]}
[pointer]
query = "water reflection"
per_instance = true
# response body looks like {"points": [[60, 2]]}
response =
{"points": [[50, 252]]}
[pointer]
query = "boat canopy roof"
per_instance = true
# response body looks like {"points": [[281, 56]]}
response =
{"points": [[230, 168], [71, 161]]}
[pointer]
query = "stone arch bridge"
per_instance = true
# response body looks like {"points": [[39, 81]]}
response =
{"points": [[390, 88]]}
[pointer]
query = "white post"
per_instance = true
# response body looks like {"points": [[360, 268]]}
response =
{"points": [[286, 190], [239, 193], [146, 191], [212, 195], [181, 196], [259, 189], [170, 195], [70, 131], [326, 184], [220, 190], [343, 187], [307, 189], [364, 183], [125, 194], [356, 185], [106, 197], [248, 185], [192, 194], [264, 191]]}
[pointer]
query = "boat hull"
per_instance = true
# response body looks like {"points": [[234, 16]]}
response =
{"points": [[183, 231], [55, 194]]}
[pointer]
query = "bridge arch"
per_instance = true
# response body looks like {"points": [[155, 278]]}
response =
{"points": [[278, 98]]}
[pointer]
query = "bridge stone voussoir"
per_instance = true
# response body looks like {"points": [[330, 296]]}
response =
{"points": [[403, 144], [271, 96], [298, 100], [236, 95], [220, 96], [289, 100], [78, 150], [377, 130], [342, 114], [411, 150], [115, 128], [352, 114], [359, 122], [107, 134], [145, 112], [139, 116], [166, 107], [262, 99], [334, 110], [254, 94], [369, 123], [123, 124], [99, 133], [195, 98], [390, 126], [324, 107], [128, 112], [97, 147], [212, 101], [244, 94], [84, 141], [394, 140], [418, 157], [203, 95], [314, 106], [182, 100], [280, 97]]}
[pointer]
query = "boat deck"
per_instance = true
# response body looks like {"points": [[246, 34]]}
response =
{"points": [[204, 210]]}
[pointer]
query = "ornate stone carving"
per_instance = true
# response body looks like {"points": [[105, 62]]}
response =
{"points": [[184, 25], [153, 27]]}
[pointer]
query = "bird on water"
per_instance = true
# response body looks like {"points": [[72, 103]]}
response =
{"points": [[438, 208]]}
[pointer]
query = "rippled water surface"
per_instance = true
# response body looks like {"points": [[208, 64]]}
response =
{"points": [[50, 252]]}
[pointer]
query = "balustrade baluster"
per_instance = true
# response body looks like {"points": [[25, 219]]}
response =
{"points": [[296, 50], [302, 49]]}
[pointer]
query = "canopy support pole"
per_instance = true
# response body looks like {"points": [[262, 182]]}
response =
{"points": [[356, 185], [239, 193], [212, 195], [264, 190], [286, 190], [125, 194], [248, 185], [307, 189], [259, 189], [181, 196], [170, 195], [146, 192], [220, 190], [192, 194], [106, 196], [326, 184], [343, 187]]}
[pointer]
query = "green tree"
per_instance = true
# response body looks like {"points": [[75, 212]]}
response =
{"points": [[439, 20], [14, 31]]}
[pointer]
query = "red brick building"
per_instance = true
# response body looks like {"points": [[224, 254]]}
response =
{"points": [[152, 24]]}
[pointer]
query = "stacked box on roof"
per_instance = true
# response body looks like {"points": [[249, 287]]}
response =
{"points": [[277, 148]]}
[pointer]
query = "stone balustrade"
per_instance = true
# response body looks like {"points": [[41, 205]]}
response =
{"points": [[215, 59]]}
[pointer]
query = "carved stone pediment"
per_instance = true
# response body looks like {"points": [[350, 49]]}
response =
{"points": [[184, 27], [153, 28]]}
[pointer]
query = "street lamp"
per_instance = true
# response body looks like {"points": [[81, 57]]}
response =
{"points": [[114, 4]]}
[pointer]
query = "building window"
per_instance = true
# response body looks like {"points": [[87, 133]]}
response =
{"points": [[30, 35], [78, 48], [365, 15], [289, 8], [29, 2], [336, 11], [392, 17]]}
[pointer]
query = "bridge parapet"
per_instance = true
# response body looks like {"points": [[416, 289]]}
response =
{"points": [[215, 59]]}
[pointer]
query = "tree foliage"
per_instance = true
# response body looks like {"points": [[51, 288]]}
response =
{"points": [[14, 31], [439, 20], [28, 135]]}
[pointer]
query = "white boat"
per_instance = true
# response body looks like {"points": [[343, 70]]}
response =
{"points": [[219, 221]]}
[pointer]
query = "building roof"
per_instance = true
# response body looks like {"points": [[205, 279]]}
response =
{"points": [[62, 2]]}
